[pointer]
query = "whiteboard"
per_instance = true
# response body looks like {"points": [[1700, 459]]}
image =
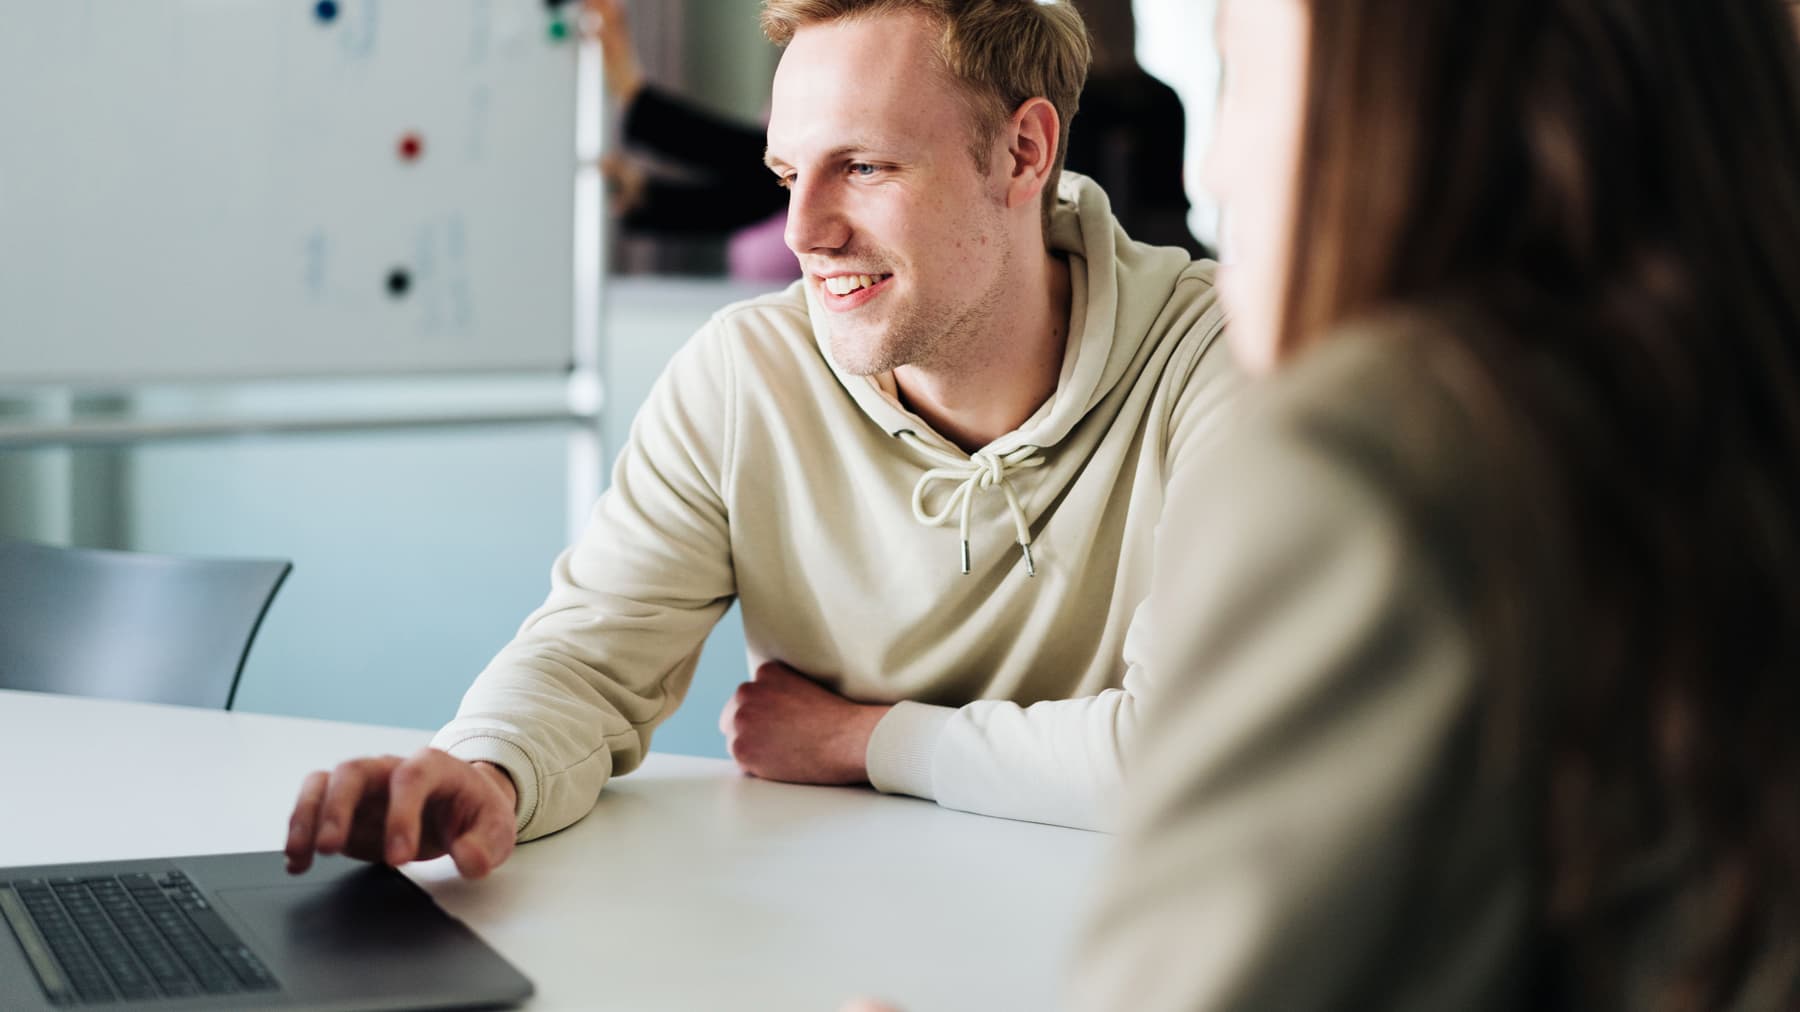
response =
{"points": [[220, 189]]}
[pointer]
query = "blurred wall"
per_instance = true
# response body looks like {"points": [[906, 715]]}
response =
{"points": [[728, 64]]}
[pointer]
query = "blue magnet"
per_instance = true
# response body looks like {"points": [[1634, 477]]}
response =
{"points": [[326, 10]]}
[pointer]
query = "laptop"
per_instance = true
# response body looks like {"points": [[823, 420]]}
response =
{"points": [[236, 931]]}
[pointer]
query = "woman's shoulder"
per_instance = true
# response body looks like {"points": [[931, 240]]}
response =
{"points": [[1396, 399]]}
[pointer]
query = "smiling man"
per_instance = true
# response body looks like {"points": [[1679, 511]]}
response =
{"points": [[930, 471]]}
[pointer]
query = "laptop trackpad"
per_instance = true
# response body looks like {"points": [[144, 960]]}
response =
{"points": [[368, 932]]}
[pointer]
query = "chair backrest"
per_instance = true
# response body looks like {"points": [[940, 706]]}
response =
{"points": [[128, 625]]}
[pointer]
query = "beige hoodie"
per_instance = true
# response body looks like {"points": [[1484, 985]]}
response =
{"points": [[758, 471]]}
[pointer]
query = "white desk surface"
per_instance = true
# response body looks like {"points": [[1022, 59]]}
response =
{"points": [[688, 887]]}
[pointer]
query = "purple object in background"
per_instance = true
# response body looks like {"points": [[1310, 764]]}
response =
{"points": [[760, 252]]}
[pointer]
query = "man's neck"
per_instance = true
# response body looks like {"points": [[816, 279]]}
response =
{"points": [[1006, 374]]}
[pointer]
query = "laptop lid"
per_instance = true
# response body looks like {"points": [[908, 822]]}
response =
{"points": [[235, 931]]}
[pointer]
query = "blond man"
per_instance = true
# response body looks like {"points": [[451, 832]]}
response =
{"points": [[930, 472]]}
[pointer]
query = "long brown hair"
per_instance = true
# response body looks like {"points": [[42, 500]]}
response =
{"points": [[1613, 188]]}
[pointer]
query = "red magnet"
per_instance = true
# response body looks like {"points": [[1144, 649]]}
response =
{"points": [[411, 147]]}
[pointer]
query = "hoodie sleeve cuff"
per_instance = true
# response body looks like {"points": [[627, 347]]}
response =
{"points": [[509, 757], [901, 750]]}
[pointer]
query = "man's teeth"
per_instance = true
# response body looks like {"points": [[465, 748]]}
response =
{"points": [[847, 283]]}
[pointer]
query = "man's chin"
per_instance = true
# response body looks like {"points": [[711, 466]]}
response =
{"points": [[860, 354]]}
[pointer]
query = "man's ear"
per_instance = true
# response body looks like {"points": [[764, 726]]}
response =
{"points": [[1033, 135]]}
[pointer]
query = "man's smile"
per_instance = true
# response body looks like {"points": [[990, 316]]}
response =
{"points": [[848, 291]]}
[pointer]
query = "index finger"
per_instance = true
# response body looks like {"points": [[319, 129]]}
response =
{"points": [[303, 824]]}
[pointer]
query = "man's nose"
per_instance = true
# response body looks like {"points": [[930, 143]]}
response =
{"points": [[816, 221]]}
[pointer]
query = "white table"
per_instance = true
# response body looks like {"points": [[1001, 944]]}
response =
{"points": [[689, 887]]}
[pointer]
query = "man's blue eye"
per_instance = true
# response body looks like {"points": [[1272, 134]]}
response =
{"points": [[863, 169]]}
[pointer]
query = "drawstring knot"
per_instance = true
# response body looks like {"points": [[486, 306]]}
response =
{"points": [[979, 472]]}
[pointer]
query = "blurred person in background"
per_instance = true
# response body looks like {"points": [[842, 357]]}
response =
{"points": [[1131, 132], [1491, 702], [724, 190]]}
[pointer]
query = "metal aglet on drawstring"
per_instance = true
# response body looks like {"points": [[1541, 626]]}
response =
{"points": [[982, 471], [1030, 564]]}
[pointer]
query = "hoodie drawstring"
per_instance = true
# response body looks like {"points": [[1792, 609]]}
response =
{"points": [[980, 471]]}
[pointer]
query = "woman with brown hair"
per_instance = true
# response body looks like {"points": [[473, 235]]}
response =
{"points": [[1492, 696]]}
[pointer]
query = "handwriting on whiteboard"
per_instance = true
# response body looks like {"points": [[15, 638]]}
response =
{"points": [[362, 32], [441, 271]]}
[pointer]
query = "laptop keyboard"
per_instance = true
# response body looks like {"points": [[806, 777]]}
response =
{"points": [[128, 938]]}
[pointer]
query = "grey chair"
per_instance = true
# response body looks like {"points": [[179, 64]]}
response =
{"points": [[129, 625]]}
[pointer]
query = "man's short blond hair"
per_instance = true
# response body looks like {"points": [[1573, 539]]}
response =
{"points": [[1002, 52]]}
